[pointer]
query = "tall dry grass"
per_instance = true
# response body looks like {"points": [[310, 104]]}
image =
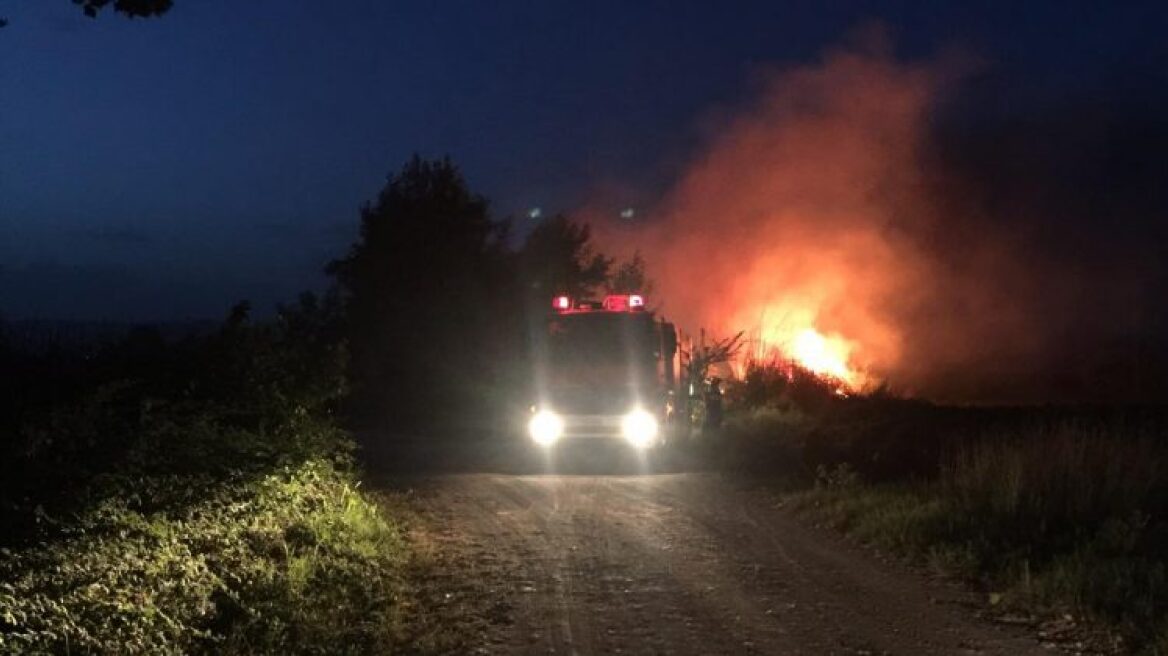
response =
{"points": [[1062, 515], [1068, 477]]}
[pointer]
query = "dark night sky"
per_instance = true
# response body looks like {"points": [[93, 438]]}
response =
{"points": [[165, 168]]}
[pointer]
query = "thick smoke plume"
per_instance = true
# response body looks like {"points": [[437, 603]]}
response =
{"points": [[819, 221]]}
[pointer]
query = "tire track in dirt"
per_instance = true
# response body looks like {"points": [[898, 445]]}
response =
{"points": [[677, 564]]}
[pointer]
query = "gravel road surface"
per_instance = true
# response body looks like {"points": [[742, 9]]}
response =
{"points": [[675, 564]]}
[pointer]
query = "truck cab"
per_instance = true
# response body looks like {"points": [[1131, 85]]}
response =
{"points": [[604, 370]]}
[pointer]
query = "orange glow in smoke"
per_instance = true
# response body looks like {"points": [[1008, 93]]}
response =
{"points": [[816, 221], [797, 224], [822, 355]]}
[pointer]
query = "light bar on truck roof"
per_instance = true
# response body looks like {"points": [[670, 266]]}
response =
{"points": [[611, 303], [624, 302]]}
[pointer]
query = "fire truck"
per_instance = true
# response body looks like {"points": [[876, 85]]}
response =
{"points": [[605, 369]]}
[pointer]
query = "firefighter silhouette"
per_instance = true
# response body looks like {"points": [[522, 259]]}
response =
{"points": [[713, 400]]}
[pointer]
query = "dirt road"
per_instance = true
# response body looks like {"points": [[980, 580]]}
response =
{"points": [[676, 564]]}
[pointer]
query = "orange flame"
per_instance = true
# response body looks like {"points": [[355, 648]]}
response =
{"points": [[791, 329], [826, 355]]}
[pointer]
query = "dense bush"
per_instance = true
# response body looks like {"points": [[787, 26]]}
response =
{"points": [[249, 396], [197, 497], [296, 561], [783, 383], [767, 439]]}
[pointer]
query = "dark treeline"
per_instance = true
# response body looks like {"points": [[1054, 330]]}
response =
{"points": [[148, 405], [423, 333]]}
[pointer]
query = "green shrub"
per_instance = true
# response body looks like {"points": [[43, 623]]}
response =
{"points": [[295, 561]]}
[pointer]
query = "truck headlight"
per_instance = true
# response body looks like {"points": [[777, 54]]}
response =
{"points": [[545, 427], [639, 428]]}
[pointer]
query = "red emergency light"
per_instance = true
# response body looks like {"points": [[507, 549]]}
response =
{"points": [[624, 302], [562, 303]]}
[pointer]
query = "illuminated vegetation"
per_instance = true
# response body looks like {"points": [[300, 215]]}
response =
{"points": [[198, 499]]}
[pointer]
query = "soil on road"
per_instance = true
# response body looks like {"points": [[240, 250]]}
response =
{"points": [[674, 564]]}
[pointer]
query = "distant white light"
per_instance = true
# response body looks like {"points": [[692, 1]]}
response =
{"points": [[535, 212], [628, 213]]}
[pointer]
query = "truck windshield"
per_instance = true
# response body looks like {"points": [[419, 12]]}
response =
{"points": [[602, 338]]}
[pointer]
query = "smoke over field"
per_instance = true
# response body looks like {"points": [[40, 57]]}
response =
{"points": [[821, 220]]}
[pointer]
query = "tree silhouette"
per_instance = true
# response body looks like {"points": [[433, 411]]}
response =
{"points": [[630, 277], [558, 258], [131, 8], [421, 287]]}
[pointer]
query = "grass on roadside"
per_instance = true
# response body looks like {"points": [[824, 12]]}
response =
{"points": [[1063, 516]]}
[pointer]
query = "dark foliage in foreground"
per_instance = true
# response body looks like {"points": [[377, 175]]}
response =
{"points": [[194, 497], [228, 401]]}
